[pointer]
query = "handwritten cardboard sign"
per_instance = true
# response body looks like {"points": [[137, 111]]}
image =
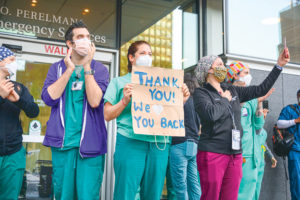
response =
{"points": [[157, 101]]}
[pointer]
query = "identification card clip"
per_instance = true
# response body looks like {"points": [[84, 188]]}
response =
{"points": [[236, 139], [77, 85]]}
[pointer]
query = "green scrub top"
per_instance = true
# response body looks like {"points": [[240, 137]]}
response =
{"points": [[114, 94], [75, 90], [250, 123]]}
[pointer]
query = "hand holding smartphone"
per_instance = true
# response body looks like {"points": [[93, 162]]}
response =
{"points": [[266, 104], [285, 49]]}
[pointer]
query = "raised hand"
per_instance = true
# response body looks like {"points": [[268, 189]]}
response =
{"points": [[6, 87], [261, 99], [13, 96], [88, 59], [70, 65], [284, 57]]}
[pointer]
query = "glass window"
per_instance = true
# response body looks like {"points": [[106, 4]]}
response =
{"points": [[190, 30], [259, 28], [37, 176], [213, 27], [50, 19], [171, 28]]}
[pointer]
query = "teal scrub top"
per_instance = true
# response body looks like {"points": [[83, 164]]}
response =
{"points": [[250, 123], [74, 108], [114, 94]]}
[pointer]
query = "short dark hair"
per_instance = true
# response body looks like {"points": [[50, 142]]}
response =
{"points": [[191, 82], [132, 50], [69, 33], [298, 92]]}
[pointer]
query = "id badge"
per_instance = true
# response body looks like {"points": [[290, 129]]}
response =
{"points": [[236, 139], [77, 85], [244, 112], [190, 148]]}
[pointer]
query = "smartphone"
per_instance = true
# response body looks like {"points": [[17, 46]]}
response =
{"points": [[266, 104], [285, 53]]}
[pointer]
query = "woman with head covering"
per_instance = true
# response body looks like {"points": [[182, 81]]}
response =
{"points": [[14, 97], [219, 155], [252, 120]]}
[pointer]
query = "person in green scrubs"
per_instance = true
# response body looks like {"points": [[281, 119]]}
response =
{"points": [[139, 160], [76, 132], [262, 137], [252, 119], [14, 98]]}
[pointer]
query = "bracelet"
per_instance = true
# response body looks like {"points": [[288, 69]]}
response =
{"points": [[123, 102]]}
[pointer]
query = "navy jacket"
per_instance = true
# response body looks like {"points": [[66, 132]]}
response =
{"points": [[10, 124]]}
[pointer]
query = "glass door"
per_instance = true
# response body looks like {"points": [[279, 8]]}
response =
{"points": [[34, 61]]}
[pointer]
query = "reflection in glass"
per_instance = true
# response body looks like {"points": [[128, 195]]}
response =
{"points": [[50, 19], [256, 29], [37, 177]]}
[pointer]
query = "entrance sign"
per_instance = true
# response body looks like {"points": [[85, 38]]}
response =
{"points": [[157, 101], [37, 24], [35, 128]]}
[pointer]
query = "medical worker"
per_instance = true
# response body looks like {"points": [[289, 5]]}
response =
{"points": [[76, 132], [219, 157], [290, 118], [252, 119], [14, 97], [139, 160]]}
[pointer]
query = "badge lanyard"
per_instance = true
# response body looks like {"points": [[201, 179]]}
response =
{"points": [[236, 134], [77, 85]]}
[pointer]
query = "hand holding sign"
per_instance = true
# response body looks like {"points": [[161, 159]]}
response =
{"points": [[127, 92], [186, 93]]}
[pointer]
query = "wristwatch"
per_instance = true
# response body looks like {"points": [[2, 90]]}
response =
{"points": [[90, 72]]}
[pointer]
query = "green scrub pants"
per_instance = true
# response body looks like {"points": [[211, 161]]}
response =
{"points": [[11, 174], [170, 189], [249, 180], [139, 163], [261, 169], [75, 177]]}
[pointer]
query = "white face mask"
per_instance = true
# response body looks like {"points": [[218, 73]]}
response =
{"points": [[145, 60], [10, 66], [246, 79], [82, 46]]}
